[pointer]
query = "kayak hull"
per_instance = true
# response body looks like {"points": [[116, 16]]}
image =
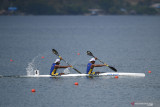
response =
{"points": [[83, 75]]}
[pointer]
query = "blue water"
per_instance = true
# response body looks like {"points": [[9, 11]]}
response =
{"points": [[129, 43]]}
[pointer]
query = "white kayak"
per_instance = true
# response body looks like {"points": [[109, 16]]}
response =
{"points": [[82, 75]]}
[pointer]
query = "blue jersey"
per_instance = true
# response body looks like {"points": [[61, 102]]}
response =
{"points": [[53, 70], [89, 70]]}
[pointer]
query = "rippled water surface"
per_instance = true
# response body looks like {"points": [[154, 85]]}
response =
{"points": [[129, 43]]}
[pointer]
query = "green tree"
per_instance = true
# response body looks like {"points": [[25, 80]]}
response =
{"points": [[106, 4], [145, 10]]}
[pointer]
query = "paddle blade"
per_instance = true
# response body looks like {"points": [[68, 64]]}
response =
{"points": [[89, 53], [55, 52], [112, 68]]}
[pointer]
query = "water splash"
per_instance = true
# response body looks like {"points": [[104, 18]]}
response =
{"points": [[66, 71], [31, 66]]}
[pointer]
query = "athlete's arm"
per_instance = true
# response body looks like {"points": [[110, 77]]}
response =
{"points": [[59, 66], [98, 65]]}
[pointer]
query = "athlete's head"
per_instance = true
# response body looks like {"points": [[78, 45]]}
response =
{"points": [[57, 61], [92, 60]]}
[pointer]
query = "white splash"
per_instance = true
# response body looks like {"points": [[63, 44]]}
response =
{"points": [[66, 71], [31, 67]]}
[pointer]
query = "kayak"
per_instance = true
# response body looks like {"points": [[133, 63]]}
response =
{"points": [[83, 75]]}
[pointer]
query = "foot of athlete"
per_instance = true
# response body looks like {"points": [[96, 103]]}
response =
{"points": [[97, 73], [62, 73]]}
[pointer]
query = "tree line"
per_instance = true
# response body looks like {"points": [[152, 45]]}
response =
{"points": [[79, 7]]}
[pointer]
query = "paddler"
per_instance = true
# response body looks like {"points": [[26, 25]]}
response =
{"points": [[56, 66], [91, 65]]}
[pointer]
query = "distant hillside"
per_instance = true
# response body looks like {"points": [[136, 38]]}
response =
{"points": [[78, 7]]}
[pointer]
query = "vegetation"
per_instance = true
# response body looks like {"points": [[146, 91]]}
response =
{"points": [[78, 7]]}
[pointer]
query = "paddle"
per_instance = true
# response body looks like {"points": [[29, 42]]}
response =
{"points": [[90, 54], [56, 53]]}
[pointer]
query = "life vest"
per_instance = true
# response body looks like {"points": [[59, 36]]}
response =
{"points": [[89, 70], [53, 69]]}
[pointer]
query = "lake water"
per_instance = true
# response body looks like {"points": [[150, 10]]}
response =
{"points": [[129, 43]]}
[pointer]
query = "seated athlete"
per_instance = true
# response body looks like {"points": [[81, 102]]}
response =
{"points": [[91, 65], [56, 66]]}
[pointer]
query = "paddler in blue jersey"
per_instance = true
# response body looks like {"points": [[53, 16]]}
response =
{"points": [[91, 65], [56, 66]]}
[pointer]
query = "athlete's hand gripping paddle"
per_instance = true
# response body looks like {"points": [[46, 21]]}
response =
{"points": [[56, 53], [90, 54]]}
